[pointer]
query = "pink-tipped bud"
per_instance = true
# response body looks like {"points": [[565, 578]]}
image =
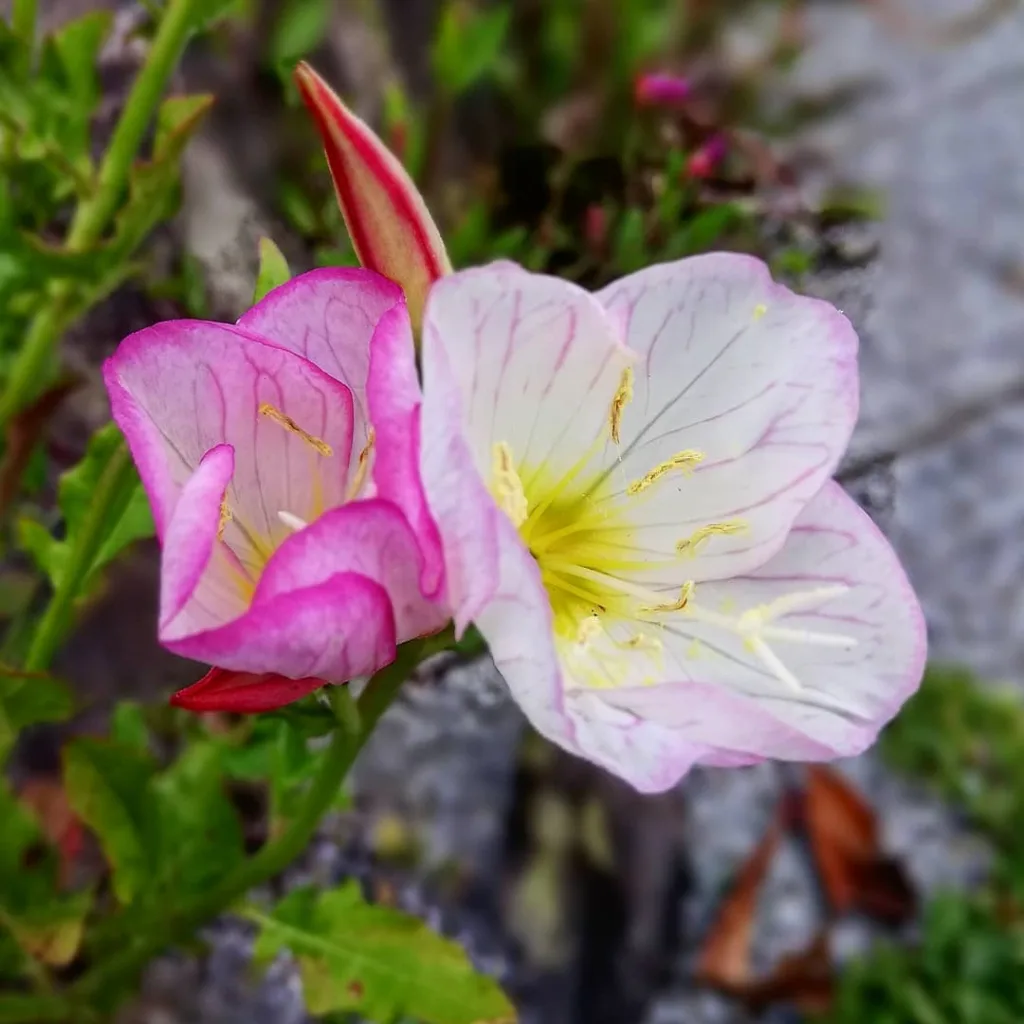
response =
{"points": [[392, 230], [660, 89], [704, 161]]}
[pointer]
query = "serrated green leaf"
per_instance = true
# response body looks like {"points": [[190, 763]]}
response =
{"points": [[273, 270], [200, 833], [378, 962], [109, 788]]}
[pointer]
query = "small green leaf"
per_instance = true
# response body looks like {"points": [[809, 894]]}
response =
{"points": [[131, 517], [78, 45], [128, 726], [273, 270], [177, 116], [109, 788], [28, 698], [378, 962], [300, 28]]}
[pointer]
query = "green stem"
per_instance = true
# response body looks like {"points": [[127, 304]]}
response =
{"points": [[275, 856], [92, 216], [112, 490]]}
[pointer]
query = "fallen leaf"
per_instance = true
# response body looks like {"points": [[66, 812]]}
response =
{"points": [[724, 960], [805, 979], [843, 834]]}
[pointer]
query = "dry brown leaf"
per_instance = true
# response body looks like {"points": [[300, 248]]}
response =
{"points": [[805, 979], [725, 957], [843, 833]]}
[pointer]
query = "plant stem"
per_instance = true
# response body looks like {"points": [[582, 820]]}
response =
{"points": [[92, 216], [112, 494], [275, 856]]}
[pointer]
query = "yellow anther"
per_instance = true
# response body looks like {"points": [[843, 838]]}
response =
{"points": [[698, 538], [225, 518], [275, 414], [759, 311], [623, 396], [684, 460], [676, 606], [506, 485], [362, 467]]}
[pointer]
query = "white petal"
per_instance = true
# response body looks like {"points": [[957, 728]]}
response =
{"points": [[762, 381]]}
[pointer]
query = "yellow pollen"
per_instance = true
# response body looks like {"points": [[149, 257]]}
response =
{"points": [[623, 396], [225, 518], [506, 485], [676, 606], [684, 460], [698, 538], [759, 311], [292, 427], [362, 466]]}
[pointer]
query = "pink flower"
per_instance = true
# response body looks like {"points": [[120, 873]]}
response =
{"points": [[660, 89], [634, 499], [279, 455], [704, 160], [392, 230]]}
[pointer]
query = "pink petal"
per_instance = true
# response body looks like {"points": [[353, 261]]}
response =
{"points": [[183, 387], [329, 316], [395, 400], [726, 697], [335, 630], [371, 538], [391, 228], [512, 357], [762, 381], [188, 566], [242, 692]]}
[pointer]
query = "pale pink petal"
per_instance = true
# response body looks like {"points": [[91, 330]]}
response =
{"points": [[335, 630], [761, 381], [198, 589], [183, 387], [328, 316], [371, 538], [726, 697], [514, 358], [395, 400]]}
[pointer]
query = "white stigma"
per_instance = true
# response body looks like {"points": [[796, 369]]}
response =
{"points": [[292, 521]]}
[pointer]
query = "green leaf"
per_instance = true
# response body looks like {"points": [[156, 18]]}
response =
{"points": [[131, 517], [153, 185], [468, 45], [300, 28], [377, 962], [128, 726], [108, 787], [28, 698], [78, 45], [273, 270], [200, 833]]}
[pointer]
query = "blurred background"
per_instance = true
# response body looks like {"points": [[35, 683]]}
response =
{"points": [[873, 152]]}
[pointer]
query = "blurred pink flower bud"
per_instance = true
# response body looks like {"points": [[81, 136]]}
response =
{"points": [[658, 88], [704, 161]]}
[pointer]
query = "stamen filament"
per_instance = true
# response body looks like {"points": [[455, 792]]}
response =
{"points": [[292, 521], [362, 466]]}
